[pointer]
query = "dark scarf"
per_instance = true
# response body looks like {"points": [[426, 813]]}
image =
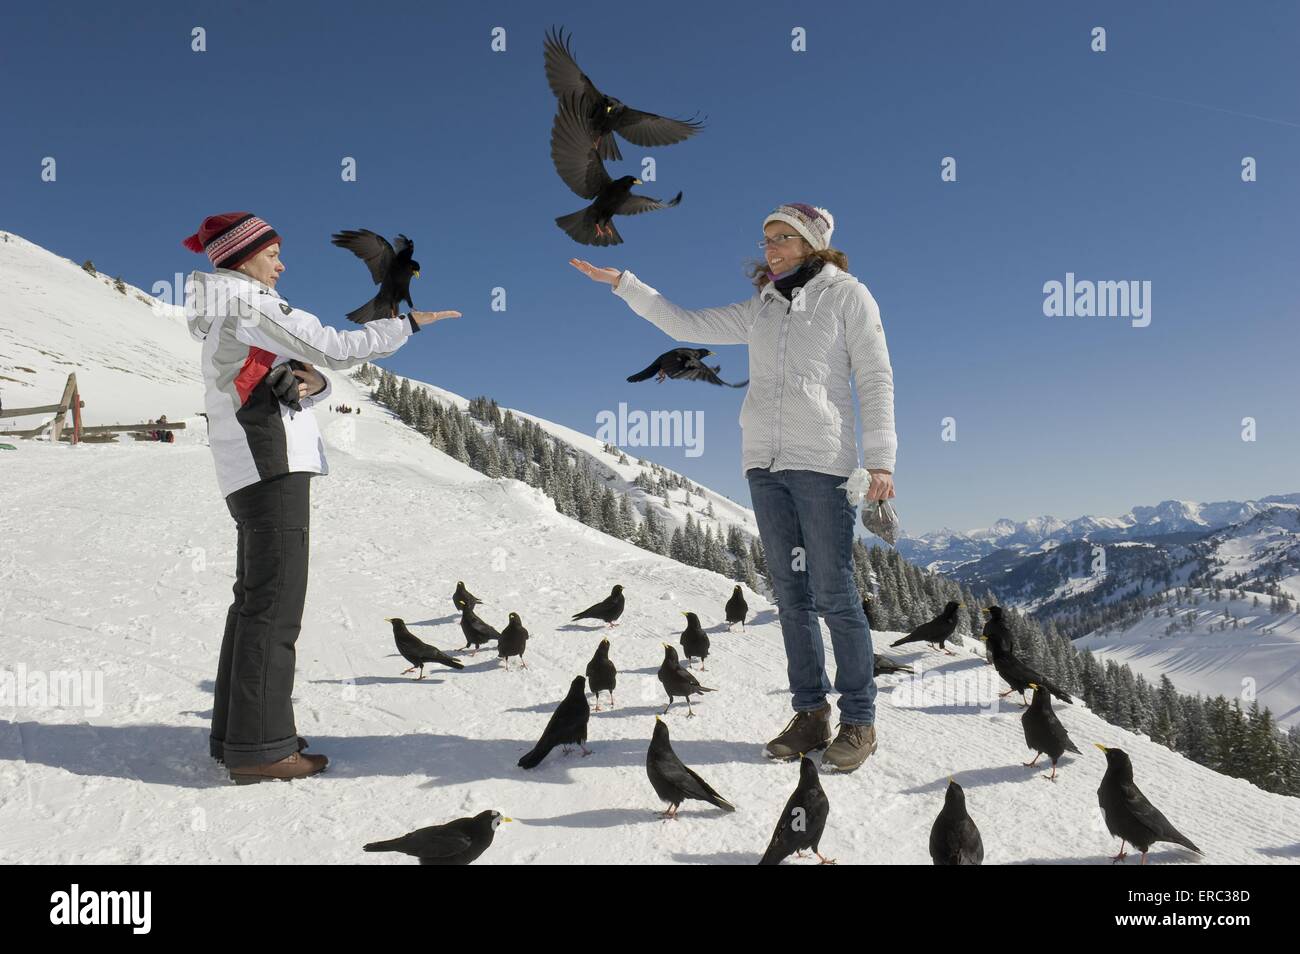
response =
{"points": [[787, 282]]}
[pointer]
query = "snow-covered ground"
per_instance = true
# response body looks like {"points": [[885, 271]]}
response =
{"points": [[116, 568], [119, 562], [1260, 658]]}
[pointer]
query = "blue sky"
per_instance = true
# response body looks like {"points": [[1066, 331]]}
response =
{"points": [[1123, 165]]}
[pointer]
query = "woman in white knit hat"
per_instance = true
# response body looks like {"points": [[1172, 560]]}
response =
{"points": [[813, 330]]}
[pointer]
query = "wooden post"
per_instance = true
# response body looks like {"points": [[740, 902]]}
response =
{"points": [[70, 397]]}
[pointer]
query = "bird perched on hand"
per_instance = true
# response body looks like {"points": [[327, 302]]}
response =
{"points": [[604, 115], [582, 171], [416, 651], [513, 641], [686, 364], [390, 266], [938, 630], [677, 680], [608, 610], [997, 632], [695, 641], [1020, 675], [567, 726], [673, 782], [601, 674], [737, 609], [884, 666], [803, 821], [476, 631], [1129, 816], [1044, 732], [954, 839], [463, 598], [458, 842]]}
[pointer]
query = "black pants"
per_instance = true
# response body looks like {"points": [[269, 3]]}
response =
{"points": [[252, 713]]}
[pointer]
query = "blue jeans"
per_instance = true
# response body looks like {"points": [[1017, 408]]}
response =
{"points": [[805, 509]]}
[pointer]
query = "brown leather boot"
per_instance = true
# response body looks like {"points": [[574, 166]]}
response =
{"points": [[297, 765]]}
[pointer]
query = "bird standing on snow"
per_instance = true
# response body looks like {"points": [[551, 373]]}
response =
{"points": [[803, 821], [737, 609], [937, 631], [1129, 816], [997, 633], [476, 631], [601, 674], [583, 172], [458, 842], [677, 680], [1044, 732], [463, 598], [695, 641], [954, 839], [391, 268], [673, 782], [607, 610], [513, 641], [567, 726], [685, 364], [1020, 676], [603, 115], [416, 651], [866, 611]]}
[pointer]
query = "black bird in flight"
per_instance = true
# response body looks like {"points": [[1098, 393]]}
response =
{"points": [[685, 364], [603, 115], [584, 173], [567, 726], [416, 651], [391, 268], [458, 842], [1129, 816]]}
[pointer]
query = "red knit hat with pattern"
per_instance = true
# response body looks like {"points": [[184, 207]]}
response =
{"points": [[232, 238]]}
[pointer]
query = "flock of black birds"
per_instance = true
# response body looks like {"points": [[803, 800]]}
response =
{"points": [[954, 837], [583, 136]]}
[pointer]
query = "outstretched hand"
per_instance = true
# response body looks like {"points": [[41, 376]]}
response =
{"points": [[423, 318], [609, 276]]}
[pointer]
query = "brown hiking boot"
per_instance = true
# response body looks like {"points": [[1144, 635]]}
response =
{"points": [[221, 759], [851, 747], [804, 733], [297, 765]]}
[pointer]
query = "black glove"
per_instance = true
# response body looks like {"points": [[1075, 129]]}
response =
{"points": [[284, 384]]}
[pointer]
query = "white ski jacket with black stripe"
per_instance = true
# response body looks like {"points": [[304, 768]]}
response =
{"points": [[247, 328], [803, 356]]}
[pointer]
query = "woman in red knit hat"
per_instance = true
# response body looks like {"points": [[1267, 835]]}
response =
{"points": [[266, 448]]}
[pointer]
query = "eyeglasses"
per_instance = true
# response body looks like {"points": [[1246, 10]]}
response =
{"points": [[776, 240]]}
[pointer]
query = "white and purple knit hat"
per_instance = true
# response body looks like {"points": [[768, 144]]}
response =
{"points": [[231, 238], [814, 224]]}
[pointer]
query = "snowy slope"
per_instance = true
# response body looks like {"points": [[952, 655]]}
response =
{"points": [[131, 353], [1261, 656], [121, 562], [620, 477]]}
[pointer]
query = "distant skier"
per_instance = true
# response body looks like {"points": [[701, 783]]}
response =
{"points": [[265, 454]]}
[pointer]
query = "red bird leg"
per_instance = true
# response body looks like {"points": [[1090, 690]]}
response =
{"points": [[1036, 758], [1122, 853]]}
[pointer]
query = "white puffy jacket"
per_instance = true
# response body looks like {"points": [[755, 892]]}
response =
{"points": [[803, 355], [247, 328]]}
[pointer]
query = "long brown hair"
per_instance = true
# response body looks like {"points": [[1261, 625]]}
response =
{"points": [[757, 269]]}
